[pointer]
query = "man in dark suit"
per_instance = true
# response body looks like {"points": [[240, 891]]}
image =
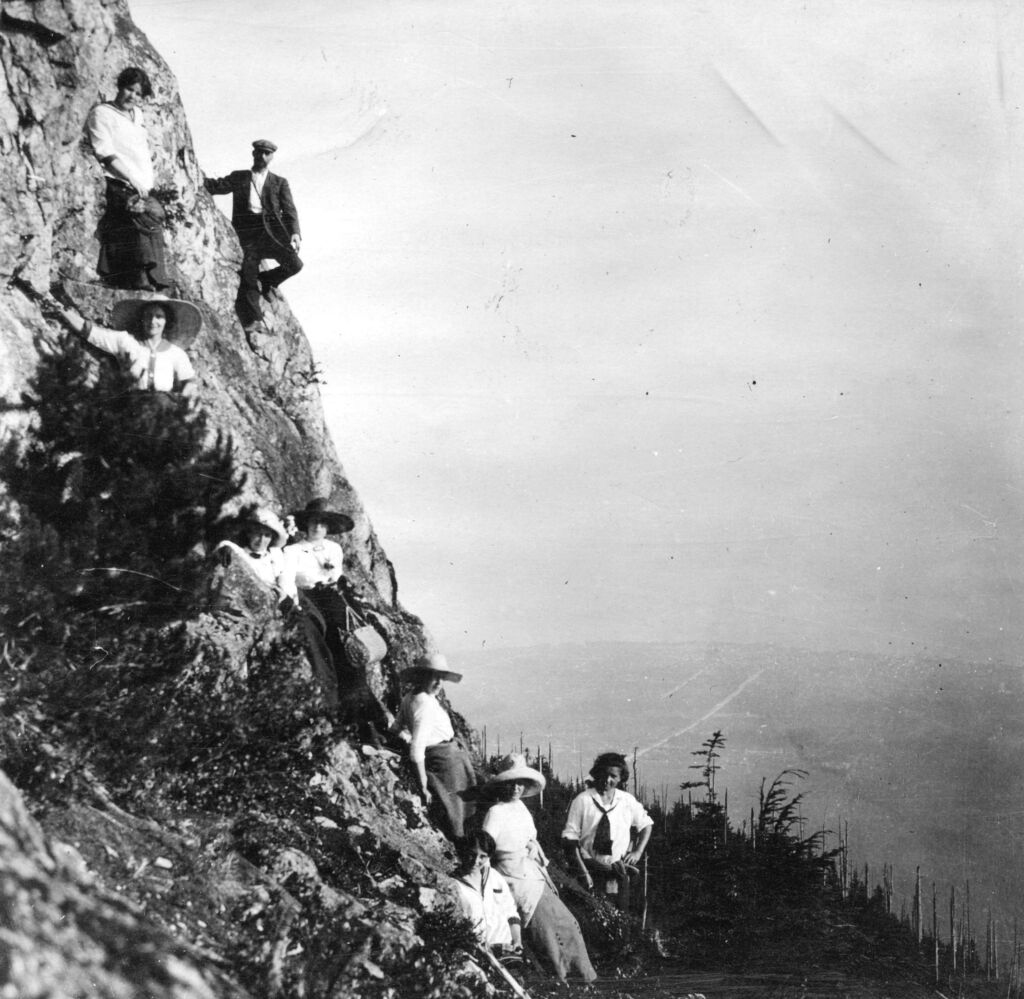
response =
{"points": [[264, 216]]}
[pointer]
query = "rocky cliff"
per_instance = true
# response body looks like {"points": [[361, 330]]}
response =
{"points": [[185, 823], [60, 57]]}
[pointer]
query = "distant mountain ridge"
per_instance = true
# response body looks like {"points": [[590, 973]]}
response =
{"points": [[923, 758]]}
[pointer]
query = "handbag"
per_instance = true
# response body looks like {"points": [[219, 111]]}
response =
{"points": [[362, 642]]}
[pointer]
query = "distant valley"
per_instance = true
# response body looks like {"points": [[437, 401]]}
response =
{"points": [[923, 758]]}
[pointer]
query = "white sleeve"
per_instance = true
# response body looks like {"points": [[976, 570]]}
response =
{"points": [[419, 711], [574, 820], [183, 370], [115, 342], [286, 577], [506, 903], [101, 137], [640, 819]]}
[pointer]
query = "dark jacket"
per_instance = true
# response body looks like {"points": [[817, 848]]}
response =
{"points": [[280, 219]]}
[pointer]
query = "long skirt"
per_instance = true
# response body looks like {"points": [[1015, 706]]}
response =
{"points": [[131, 243], [449, 771], [353, 699], [318, 652], [554, 932]]}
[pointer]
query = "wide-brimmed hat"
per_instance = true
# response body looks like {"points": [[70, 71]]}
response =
{"points": [[186, 321], [514, 768], [268, 520], [434, 664], [337, 523]]}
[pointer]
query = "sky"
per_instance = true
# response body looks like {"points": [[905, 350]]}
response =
{"points": [[655, 321]]}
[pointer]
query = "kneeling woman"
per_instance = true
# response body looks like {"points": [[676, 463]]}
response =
{"points": [[550, 927], [443, 768]]}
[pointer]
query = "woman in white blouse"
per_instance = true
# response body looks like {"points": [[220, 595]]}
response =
{"points": [[131, 232], [549, 926], [443, 768], [262, 535], [148, 335], [317, 564]]}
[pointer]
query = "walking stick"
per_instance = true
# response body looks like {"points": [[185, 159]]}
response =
{"points": [[504, 972], [643, 913]]}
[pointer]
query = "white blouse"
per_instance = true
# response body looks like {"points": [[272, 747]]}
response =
{"points": [[113, 132], [428, 722], [315, 562], [162, 370], [270, 568]]}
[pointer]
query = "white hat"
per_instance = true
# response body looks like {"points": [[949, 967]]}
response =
{"points": [[514, 768]]}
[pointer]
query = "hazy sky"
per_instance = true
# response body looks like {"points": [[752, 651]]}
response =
{"points": [[657, 320]]}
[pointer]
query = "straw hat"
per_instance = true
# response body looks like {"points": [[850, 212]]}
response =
{"points": [[337, 523], [268, 520], [435, 664], [184, 325], [514, 768]]}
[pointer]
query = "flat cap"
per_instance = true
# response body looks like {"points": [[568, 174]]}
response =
{"points": [[265, 144]]}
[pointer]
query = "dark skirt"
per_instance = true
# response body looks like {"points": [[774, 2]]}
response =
{"points": [[131, 243], [449, 771], [554, 932], [345, 684]]}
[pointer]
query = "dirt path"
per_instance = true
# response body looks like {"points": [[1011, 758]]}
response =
{"points": [[815, 985]]}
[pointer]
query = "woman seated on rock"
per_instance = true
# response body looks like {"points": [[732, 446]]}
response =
{"points": [[131, 230], [153, 350], [486, 898], [443, 768], [318, 563], [551, 928], [317, 566], [262, 535]]}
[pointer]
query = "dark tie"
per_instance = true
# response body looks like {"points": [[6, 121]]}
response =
{"points": [[603, 834]]}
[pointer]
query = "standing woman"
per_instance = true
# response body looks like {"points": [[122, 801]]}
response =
{"points": [[131, 230], [550, 927], [443, 768]]}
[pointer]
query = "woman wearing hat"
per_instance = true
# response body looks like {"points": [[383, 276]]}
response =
{"points": [[316, 564], [149, 336], [318, 560], [550, 927], [443, 768], [262, 535]]}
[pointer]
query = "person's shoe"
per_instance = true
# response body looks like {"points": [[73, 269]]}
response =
{"points": [[267, 290]]}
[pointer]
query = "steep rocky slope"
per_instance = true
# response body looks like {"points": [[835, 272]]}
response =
{"points": [[197, 826], [265, 391]]}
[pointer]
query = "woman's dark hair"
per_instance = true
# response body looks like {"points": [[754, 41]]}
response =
{"points": [[503, 790], [470, 844], [607, 760], [132, 75], [167, 311]]}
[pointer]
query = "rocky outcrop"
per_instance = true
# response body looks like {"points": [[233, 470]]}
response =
{"points": [[64, 934], [262, 390], [229, 841]]}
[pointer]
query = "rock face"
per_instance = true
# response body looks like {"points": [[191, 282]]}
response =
{"points": [[209, 876], [60, 57]]}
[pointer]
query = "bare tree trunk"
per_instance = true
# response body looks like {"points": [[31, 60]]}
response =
{"points": [[918, 921], [952, 926]]}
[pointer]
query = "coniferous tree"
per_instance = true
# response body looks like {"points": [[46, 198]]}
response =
{"points": [[116, 490]]}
